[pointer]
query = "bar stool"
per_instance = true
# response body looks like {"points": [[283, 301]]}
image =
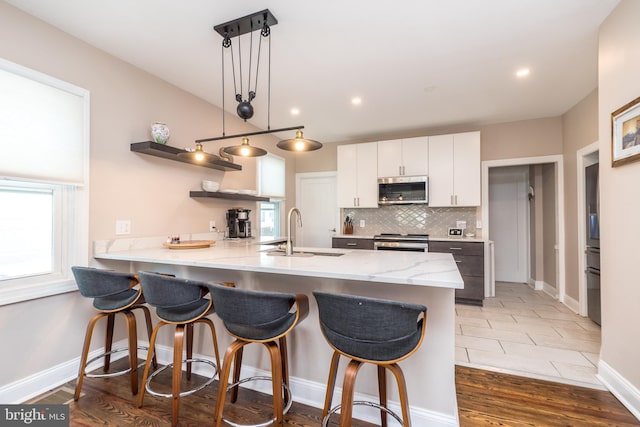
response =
{"points": [[257, 317], [368, 330], [182, 303], [112, 293]]}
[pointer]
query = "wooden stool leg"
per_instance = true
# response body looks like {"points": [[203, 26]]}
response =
{"points": [[223, 382], [348, 389], [237, 365], [382, 392], [189, 327], [176, 374], [108, 341], [85, 353], [402, 391], [147, 319], [276, 382], [150, 355], [285, 363], [133, 350], [331, 383]]}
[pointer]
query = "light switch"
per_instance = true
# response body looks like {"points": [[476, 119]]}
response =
{"points": [[478, 224], [361, 223]]}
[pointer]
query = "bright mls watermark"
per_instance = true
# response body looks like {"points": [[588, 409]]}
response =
{"points": [[34, 415]]}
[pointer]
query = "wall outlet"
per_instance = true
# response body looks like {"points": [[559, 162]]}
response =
{"points": [[461, 224], [478, 224], [123, 226], [212, 226], [361, 223]]}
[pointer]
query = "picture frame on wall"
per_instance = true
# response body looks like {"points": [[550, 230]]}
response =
{"points": [[625, 134]]}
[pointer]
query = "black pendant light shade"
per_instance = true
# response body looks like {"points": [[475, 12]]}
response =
{"points": [[245, 150], [199, 155], [299, 143]]}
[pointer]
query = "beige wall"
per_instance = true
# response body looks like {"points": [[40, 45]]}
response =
{"points": [[526, 138], [618, 69], [153, 193], [579, 129]]}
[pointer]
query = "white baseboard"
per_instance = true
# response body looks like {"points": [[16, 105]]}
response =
{"points": [[547, 289], [44, 381], [304, 391], [622, 389], [572, 304]]}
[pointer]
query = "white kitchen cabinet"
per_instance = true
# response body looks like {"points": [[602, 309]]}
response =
{"points": [[357, 175], [403, 157], [454, 169]]}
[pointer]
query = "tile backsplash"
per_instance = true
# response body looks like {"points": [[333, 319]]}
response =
{"points": [[410, 219]]}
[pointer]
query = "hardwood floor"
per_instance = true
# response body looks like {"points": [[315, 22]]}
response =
{"points": [[488, 398], [484, 399]]}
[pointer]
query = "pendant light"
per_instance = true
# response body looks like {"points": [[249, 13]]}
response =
{"points": [[245, 150], [299, 143], [199, 155], [244, 92]]}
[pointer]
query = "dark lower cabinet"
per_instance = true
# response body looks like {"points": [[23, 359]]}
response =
{"points": [[469, 257], [351, 243]]}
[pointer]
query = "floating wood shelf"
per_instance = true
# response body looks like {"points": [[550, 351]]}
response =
{"points": [[232, 196], [168, 152]]}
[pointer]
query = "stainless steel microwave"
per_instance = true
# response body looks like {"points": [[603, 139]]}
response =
{"points": [[403, 190]]}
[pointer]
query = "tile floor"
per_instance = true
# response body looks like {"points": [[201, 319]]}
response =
{"points": [[526, 332]]}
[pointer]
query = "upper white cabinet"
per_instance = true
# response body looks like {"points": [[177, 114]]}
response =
{"points": [[403, 157], [454, 170], [357, 175]]}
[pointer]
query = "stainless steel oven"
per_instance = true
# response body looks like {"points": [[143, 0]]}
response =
{"points": [[401, 242]]}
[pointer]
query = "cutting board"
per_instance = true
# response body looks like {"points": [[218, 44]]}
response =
{"points": [[189, 244]]}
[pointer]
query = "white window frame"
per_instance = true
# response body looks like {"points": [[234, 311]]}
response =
{"points": [[71, 213], [277, 199]]}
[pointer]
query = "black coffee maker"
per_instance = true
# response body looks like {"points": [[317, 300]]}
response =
{"points": [[238, 223]]}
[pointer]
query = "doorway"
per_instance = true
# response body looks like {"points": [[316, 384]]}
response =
{"points": [[558, 246], [509, 222], [316, 198]]}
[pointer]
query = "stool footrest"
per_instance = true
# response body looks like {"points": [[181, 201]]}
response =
{"points": [[111, 374], [287, 400], [186, 392], [325, 420]]}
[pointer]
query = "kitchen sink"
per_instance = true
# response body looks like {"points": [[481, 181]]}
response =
{"points": [[280, 252]]}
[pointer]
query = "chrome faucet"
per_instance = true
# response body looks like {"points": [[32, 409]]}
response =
{"points": [[289, 248]]}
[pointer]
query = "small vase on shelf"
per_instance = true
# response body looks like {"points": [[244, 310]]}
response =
{"points": [[160, 132]]}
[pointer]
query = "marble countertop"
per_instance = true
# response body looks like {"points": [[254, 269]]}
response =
{"points": [[408, 268]]}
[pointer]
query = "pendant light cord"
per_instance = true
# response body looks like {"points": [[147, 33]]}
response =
{"points": [[222, 47], [269, 90]]}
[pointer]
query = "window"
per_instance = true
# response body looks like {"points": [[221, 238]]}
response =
{"points": [[271, 182], [43, 197]]}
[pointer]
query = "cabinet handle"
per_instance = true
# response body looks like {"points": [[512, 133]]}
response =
{"points": [[456, 199], [458, 262], [352, 244], [451, 199], [399, 170], [455, 249]]}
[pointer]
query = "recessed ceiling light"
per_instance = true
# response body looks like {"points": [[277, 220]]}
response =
{"points": [[295, 111], [356, 100], [523, 72]]}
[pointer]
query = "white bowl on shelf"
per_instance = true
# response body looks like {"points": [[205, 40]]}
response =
{"points": [[210, 185]]}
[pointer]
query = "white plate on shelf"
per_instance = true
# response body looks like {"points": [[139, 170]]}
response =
{"points": [[250, 192]]}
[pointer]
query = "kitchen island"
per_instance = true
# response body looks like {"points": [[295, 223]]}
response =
{"points": [[423, 278]]}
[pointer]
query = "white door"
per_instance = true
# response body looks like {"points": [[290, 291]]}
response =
{"points": [[508, 223], [316, 200]]}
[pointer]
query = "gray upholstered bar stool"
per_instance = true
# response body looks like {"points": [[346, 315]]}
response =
{"points": [[257, 317], [179, 302], [369, 330], [112, 293]]}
